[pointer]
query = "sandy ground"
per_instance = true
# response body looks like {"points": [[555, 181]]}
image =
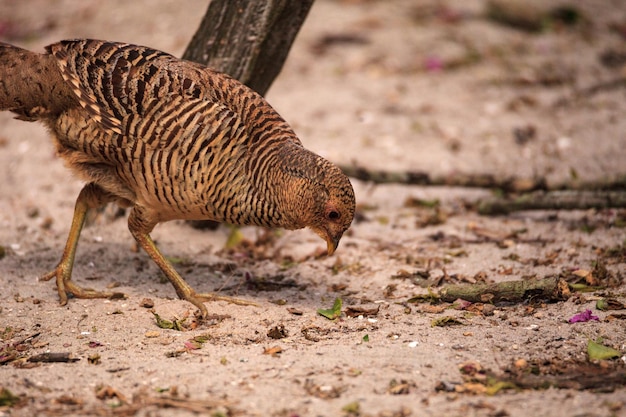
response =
{"points": [[394, 85]]}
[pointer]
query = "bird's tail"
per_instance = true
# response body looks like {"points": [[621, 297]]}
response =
{"points": [[31, 84]]}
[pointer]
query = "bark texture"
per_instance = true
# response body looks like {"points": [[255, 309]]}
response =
{"points": [[248, 39]]}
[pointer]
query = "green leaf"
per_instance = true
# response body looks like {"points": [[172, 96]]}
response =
{"points": [[334, 312], [176, 260], [202, 338], [162, 323], [167, 324], [353, 408], [579, 287], [366, 338], [431, 297], [605, 304], [495, 387], [7, 399], [597, 351], [234, 238]]}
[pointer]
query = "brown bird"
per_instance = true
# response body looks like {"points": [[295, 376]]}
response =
{"points": [[172, 140]]}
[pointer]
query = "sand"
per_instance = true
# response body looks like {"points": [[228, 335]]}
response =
{"points": [[388, 85]]}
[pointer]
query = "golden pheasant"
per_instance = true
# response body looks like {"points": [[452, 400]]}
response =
{"points": [[172, 140]]}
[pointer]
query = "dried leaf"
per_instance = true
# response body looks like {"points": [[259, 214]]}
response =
{"points": [[356, 311], [273, 351], [295, 311], [277, 332], [432, 309], [146, 303], [420, 202], [94, 359], [106, 392], [192, 345], [313, 333], [401, 387], [587, 276], [610, 317], [461, 304], [446, 321], [431, 297]]}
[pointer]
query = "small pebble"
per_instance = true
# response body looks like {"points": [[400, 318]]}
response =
{"points": [[488, 309], [146, 303], [521, 363]]}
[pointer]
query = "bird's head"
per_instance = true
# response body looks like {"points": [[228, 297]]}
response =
{"points": [[322, 198], [334, 214]]}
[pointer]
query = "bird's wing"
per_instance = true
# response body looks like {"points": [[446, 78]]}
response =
{"points": [[145, 94], [118, 83], [91, 67]]}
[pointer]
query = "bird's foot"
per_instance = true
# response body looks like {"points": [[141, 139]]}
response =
{"points": [[198, 300], [65, 286]]}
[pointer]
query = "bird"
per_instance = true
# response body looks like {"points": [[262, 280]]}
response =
{"points": [[169, 139]]}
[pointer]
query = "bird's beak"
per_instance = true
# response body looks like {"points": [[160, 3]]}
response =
{"points": [[331, 241], [331, 244]]}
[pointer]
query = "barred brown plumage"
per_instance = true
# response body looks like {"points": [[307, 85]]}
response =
{"points": [[172, 140]]}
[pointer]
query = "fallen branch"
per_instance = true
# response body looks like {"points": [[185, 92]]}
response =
{"points": [[53, 357], [554, 200], [459, 179], [588, 92], [603, 383], [548, 289], [455, 179]]}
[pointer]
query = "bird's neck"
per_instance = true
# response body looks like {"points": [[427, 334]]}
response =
{"points": [[279, 187]]}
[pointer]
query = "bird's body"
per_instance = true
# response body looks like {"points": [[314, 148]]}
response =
{"points": [[173, 140]]}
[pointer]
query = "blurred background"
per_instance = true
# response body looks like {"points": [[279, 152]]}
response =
{"points": [[524, 89]]}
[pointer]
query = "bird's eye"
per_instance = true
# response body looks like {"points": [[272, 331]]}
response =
{"points": [[333, 215]]}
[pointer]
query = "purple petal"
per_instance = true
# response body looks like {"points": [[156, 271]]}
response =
{"points": [[461, 304], [433, 64], [583, 317]]}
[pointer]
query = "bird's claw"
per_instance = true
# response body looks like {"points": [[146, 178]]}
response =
{"points": [[198, 300], [65, 286]]}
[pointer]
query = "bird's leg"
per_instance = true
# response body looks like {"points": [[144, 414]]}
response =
{"points": [[140, 228], [91, 196]]}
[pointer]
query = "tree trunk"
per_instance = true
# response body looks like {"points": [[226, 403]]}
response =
{"points": [[248, 39]]}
